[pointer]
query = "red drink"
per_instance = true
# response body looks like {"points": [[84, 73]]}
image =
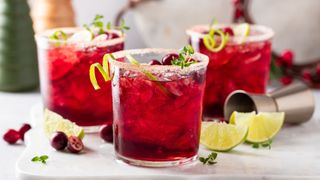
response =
{"points": [[157, 123], [65, 84], [243, 64]]}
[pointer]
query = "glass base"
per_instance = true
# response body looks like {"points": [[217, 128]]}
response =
{"points": [[143, 163], [91, 129]]}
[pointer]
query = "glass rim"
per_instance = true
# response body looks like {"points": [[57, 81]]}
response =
{"points": [[267, 33], [204, 60], [43, 37]]}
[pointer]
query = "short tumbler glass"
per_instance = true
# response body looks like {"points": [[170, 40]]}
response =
{"points": [[156, 120]]}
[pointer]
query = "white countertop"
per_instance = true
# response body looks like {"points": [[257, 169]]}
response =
{"points": [[15, 109]]}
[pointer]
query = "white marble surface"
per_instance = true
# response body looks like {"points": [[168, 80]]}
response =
{"points": [[294, 154]]}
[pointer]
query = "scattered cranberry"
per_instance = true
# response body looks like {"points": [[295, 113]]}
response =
{"points": [[228, 30], [59, 140], [286, 80], [25, 127], [106, 132], [154, 62], [166, 60], [11, 136], [287, 58], [307, 76], [75, 144]]}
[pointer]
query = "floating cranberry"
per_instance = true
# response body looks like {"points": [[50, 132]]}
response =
{"points": [[106, 132], [228, 30], [24, 128], [11, 136], [287, 58], [59, 140], [166, 60], [154, 62], [75, 144], [286, 80]]}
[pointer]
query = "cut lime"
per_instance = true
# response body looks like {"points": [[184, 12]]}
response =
{"points": [[242, 30], [54, 122], [262, 126], [81, 36], [221, 136]]}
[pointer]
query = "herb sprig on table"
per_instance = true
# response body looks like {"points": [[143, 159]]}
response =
{"points": [[43, 159], [210, 159]]}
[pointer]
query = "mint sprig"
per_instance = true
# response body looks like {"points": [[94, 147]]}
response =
{"points": [[185, 59], [97, 23], [210, 159], [266, 144], [43, 159]]}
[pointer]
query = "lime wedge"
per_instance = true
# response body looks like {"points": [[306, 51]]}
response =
{"points": [[81, 36], [262, 126], [221, 136], [54, 122], [242, 30]]}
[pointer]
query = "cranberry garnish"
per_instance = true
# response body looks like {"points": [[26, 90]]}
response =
{"points": [[11, 136], [166, 60], [112, 35], [75, 144], [106, 132], [25, 127], [228, 30], [59, 140], [286, 80], [154, 62], [287, 58]]}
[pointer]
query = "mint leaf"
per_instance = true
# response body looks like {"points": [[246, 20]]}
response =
{"points": [[42, 159], [210, 159]]}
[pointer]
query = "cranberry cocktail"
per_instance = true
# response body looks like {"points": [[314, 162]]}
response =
{"points": [[157, 105], [65, 56], [237, 60]]}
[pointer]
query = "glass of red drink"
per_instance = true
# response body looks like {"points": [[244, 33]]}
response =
{"points": [[64, 74], [157, 108], [243, 64]]}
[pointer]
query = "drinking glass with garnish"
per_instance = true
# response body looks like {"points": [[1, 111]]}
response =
{"points": [[65, 55], [157, 104], [239, 59]]}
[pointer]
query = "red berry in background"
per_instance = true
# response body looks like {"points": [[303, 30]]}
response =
{"points": [[106, 132], [286, 80], [11, 136], [166, 60], [59, 140], [75, 144], [154, 62], [228, 30], [24, 128], [306, 75], [287, 58], [318, 70]]}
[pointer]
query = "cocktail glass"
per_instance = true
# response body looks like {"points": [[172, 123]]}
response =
{"points": [[64, 76], [243, 64], [157, 108]]}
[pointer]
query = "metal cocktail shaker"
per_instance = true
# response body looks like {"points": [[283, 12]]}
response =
{"points": [[296, 100]]}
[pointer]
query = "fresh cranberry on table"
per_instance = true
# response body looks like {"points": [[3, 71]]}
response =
{"points": [[75, 144], [59, 140], [24, 128], [154, 62], [166, 60], [106, 132], [11, 136]]}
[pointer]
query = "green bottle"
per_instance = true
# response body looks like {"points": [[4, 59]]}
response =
{"points": [[18, 54]]}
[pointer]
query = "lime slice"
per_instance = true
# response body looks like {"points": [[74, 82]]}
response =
{"points": [[221, 136], [81, 36], [54, 122], [262, 127], [242, 30]]}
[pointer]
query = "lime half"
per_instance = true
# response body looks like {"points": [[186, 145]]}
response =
{"points": [[54, 122], [262, 126], [221, 136]]}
